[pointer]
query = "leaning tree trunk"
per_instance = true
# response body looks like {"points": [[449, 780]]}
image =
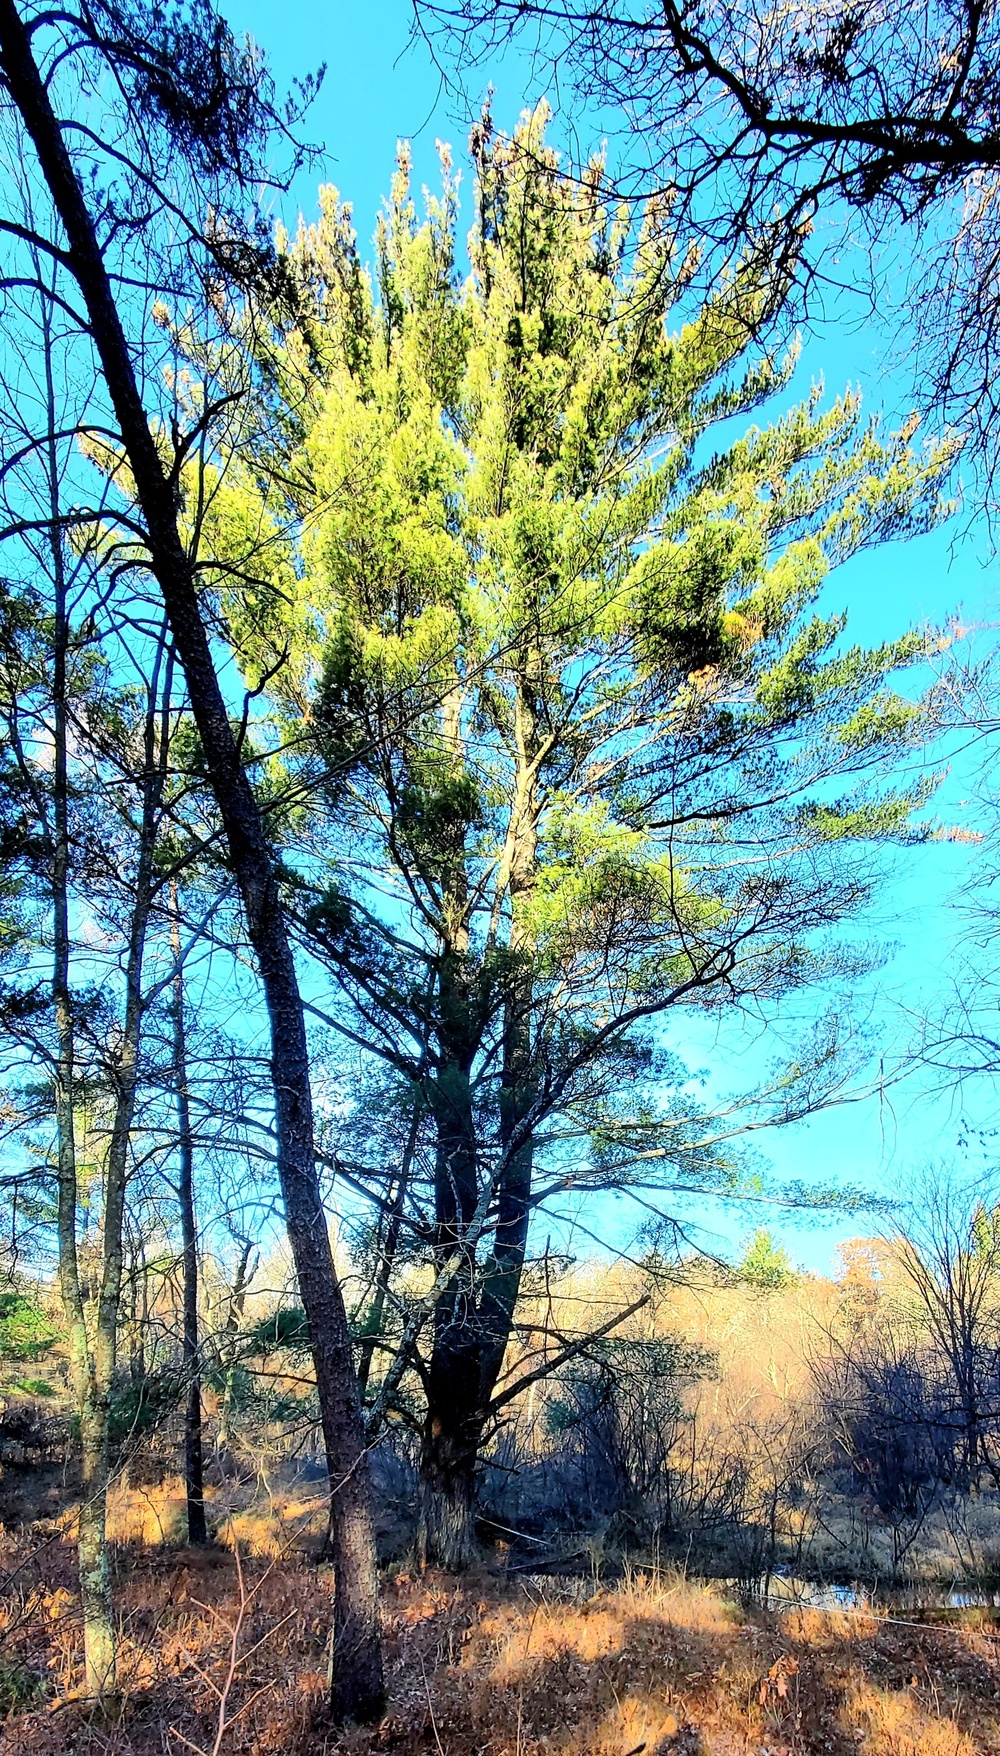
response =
{"points": [[358, 1687]]}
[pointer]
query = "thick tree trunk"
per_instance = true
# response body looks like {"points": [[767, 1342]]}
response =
{"points": [[357, 1690], [447, 1501], [451, 1438], [453, 1422], [194, 1484]]}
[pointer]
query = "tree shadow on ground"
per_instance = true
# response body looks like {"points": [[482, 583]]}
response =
{"points": [[667, 1671]]}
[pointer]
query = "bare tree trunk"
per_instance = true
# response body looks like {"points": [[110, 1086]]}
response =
{"points": [[92, 1363], [227, 1355], [91, 1367], [92, 1556], [94, 1436], [358, 1687], [194, 1483]]}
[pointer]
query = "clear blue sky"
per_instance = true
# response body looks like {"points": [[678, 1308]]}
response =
{"points": [[378, 89]]}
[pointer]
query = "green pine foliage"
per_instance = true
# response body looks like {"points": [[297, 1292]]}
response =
{"points": [[533, 563], [765, 1263], [26, 1331]]}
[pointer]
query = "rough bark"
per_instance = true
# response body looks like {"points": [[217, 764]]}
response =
{"points": [[448, 1455], [518, 1091], [453, 1419], [357, 1688]]}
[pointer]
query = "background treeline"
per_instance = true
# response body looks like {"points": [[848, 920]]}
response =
{"points": [[746, 1422]]}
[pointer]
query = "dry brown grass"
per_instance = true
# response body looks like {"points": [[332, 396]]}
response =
{"points": [[152, 1515], [897, 1725], [485, 1667]]}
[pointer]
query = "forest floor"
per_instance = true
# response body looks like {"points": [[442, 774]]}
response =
{"points": [[486, 1666]]}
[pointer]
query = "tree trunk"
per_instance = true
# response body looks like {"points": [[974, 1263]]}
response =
{"points": [[99, 1645], [227, 1357], [194, 1484], [97, 1610], [452, 1425], [448, 1454], [95, 1587], [471, 1333], [357, 1688], [92, 1557], [452, 1433], [92, 1367], [138, 1315]]}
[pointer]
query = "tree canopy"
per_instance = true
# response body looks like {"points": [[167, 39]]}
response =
{"points": [[879, 122], [547, 653]]}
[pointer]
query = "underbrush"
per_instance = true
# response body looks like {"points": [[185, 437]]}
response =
{"points": [[491, 1665]]}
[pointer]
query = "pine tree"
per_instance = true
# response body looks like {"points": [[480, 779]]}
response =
{"points": [[584, 748]]}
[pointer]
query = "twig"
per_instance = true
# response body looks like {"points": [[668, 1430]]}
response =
{"points": [[430, 1709], [224, 1719]]}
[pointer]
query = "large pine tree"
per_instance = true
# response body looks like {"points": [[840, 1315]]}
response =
{"points": [[588, 749]]}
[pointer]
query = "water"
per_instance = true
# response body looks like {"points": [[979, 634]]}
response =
{"points": [[787, 1592], [784, 1591]]}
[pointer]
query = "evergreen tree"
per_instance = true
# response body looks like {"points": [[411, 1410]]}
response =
{"points": [[590, 750]]}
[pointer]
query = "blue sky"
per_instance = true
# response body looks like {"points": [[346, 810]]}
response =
{"points": [[379, 88]]}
